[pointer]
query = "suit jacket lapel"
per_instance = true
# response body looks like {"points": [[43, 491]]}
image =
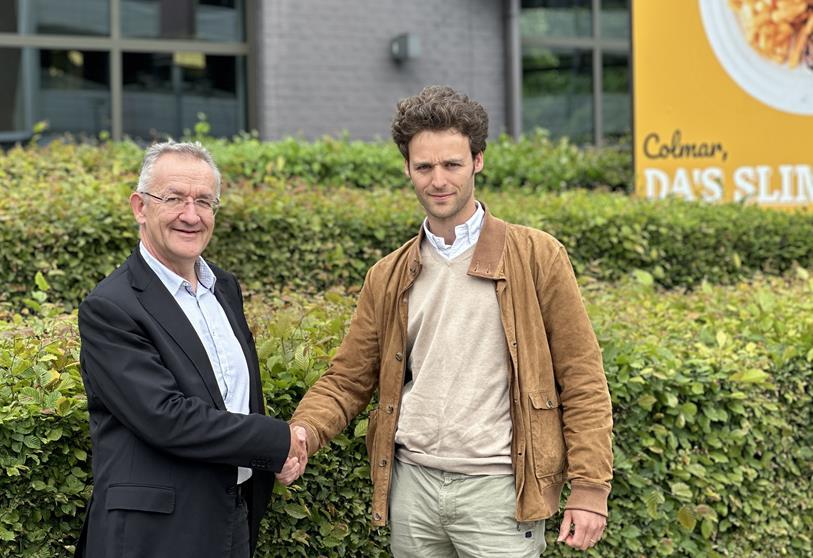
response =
{"points": [[162, 306], [231, 308]]}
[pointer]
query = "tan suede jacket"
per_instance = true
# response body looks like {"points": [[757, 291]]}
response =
{"points": [[560, 404]]}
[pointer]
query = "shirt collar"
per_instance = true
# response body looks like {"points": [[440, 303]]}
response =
{"points": [[174, 282], [467, 233]]}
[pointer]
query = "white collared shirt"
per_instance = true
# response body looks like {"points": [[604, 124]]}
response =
{"points": [[466, 235], [210, 322]]}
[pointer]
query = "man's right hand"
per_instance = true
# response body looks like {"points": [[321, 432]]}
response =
{"points": [[297, 456]]}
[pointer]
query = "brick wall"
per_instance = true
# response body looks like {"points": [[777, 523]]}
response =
{"points": [[324, 66]]}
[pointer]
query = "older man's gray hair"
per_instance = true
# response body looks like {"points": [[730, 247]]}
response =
{"points": [[156, 150]]}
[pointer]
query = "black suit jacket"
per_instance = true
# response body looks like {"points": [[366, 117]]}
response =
{"points": [[165, 450]]}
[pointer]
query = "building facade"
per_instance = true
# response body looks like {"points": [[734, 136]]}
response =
{"points": [[150, 68]]}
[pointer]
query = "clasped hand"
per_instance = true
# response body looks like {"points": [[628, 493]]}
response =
{"points": [[297, 456]]}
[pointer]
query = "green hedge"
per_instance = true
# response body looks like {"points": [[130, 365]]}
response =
{"points": [[534, 162], [44, 443], [712, 394], [64, 212], [713, 402]]}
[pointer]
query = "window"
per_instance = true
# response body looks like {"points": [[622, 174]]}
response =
{"points": [[575, 68], [15, 107], [615, 95], [74, 91], [71, 91], [558, 92], [557, 18], [615, 19], [55, 17], [58, 58], [164, 93], [205, 20]]}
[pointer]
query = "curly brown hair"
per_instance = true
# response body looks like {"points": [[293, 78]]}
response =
{"points": [[439, 107]]}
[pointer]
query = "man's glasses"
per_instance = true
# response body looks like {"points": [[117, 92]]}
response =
{"points": [[178, 203]]}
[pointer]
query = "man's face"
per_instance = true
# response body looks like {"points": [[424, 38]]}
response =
{"points": [[176, 237], [442, 170]]}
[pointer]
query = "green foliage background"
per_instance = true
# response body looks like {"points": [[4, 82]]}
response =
{"points": [[708, 347], [63, 212], [712, 405]]}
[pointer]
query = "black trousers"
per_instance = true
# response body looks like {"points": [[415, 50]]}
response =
{"points": [[238, 546]]}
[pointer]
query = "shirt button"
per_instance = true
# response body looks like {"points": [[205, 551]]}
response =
{"points": [[399, 357]]}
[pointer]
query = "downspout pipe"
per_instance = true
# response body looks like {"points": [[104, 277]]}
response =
{"points": [[513, 81]]}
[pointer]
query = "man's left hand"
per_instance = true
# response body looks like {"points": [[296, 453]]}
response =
{"points": [[588, 527]]}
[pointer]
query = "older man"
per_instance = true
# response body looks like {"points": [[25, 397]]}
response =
{"points": [[491, 389], [183, 454]]}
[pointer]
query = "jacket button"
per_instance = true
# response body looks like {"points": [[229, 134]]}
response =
{"points": [[549, 404], [389, 409], [377, 516], [383, 462], [399, 357]]}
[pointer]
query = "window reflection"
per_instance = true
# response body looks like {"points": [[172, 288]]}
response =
{"points": [[74, 92], [616, 94], [163, 93], [556, 18], [209, 20], [558, 91], [55, 17], [15, 109], [68, 88], [615, 19]]}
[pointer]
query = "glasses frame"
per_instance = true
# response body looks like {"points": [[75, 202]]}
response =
{"points": [[214, 204]]}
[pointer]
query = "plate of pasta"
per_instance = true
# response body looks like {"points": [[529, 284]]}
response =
{"points": [[766, 47]]}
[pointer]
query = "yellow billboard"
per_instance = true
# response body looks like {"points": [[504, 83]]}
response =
{"points": [[723, 100]]}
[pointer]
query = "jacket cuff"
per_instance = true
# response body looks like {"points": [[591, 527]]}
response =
{"points": [[589, 497], [313, 437]]}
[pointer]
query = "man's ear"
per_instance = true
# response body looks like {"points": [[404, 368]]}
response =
{"points": [[478, 162], [406, 168], [137, 205]]}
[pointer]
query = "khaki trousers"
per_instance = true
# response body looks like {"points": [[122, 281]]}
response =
{"points": [[435, 514]]}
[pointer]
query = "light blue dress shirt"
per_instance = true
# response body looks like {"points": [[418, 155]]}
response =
{"points": [[466, 235], [210, 322]]}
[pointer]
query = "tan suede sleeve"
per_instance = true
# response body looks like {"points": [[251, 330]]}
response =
{"points": [[347, 386], [584, 395]]}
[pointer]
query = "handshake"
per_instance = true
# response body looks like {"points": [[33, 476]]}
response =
{"points": [[297, 456]]}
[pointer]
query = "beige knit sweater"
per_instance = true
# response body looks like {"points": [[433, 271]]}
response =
{"points": [[455, 412]]}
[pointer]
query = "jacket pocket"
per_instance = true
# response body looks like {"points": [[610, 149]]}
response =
{"points": [[140, 497], [547, 439], [372, 427]]}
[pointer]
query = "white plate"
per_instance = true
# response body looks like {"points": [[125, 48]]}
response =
{"points": [[780, 87]]}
